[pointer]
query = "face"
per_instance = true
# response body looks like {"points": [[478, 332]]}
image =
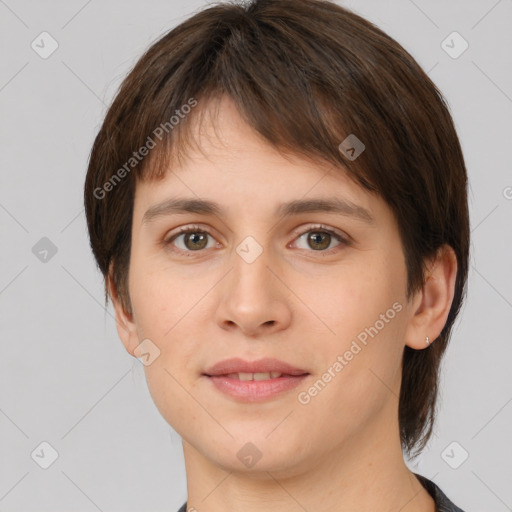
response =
{"points": [[322, 291]]}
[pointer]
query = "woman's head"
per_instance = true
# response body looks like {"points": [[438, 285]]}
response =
{"points": [[250, 106]]}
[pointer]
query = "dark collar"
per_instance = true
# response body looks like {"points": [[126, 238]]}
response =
{"points": [[443, 504]]}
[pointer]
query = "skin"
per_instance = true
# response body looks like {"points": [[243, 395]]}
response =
{"points": [[341, 451]]}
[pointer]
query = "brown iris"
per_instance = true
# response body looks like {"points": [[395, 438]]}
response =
{"points": [[198, 238], [314, 237]]}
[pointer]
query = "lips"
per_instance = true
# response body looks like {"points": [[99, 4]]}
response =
{"points": [[254, 381], [261, 369]]}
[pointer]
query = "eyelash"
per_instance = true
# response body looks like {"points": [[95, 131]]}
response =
{"points": [[316, 228]]}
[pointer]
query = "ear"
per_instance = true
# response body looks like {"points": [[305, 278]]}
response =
{"points": [[431, 305], [126, 328]]}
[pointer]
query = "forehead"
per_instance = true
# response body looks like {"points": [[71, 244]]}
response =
{"points": [[217, 138], [230, 168]]}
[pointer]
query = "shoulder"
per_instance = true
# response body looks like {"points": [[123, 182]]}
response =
{"points": [[443, 503]]}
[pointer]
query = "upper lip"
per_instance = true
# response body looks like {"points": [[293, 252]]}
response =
{"points": [[237, 365]]}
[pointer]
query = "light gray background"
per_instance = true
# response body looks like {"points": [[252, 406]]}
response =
{"points": [[65, 376]]}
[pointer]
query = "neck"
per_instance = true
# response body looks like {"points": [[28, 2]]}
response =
{"points": [[366, 473]]}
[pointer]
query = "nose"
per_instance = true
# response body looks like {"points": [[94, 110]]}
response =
{"points": [[253, 297]]}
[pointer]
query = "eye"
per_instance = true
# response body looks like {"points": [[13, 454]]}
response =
{"points": [[320, 237], [195, 239]]}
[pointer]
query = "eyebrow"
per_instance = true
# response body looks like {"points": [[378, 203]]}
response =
{"points": [[210, 208]]}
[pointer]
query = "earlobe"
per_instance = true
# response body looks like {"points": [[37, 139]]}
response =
{"points": [[431, 304], [125, 325]]}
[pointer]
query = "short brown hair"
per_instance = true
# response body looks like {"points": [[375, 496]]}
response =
{"points": [[305, 74]]}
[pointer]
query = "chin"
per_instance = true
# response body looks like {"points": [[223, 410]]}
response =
{"points": [[257, 457]]}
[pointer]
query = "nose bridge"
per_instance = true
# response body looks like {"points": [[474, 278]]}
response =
{"points": [[251, 261]]}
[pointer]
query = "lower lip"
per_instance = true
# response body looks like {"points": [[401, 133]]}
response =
{"points": [[255, 390]]}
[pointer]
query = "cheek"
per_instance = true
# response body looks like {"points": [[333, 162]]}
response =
{"points": [[365, 312], [347, 301], [161, 315], [157, 302], [166, 307]]}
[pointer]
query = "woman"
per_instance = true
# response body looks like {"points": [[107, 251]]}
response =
{"points": [[277, 201]]}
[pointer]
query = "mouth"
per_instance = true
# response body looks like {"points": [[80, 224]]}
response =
{"points": [[254, 381]]}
